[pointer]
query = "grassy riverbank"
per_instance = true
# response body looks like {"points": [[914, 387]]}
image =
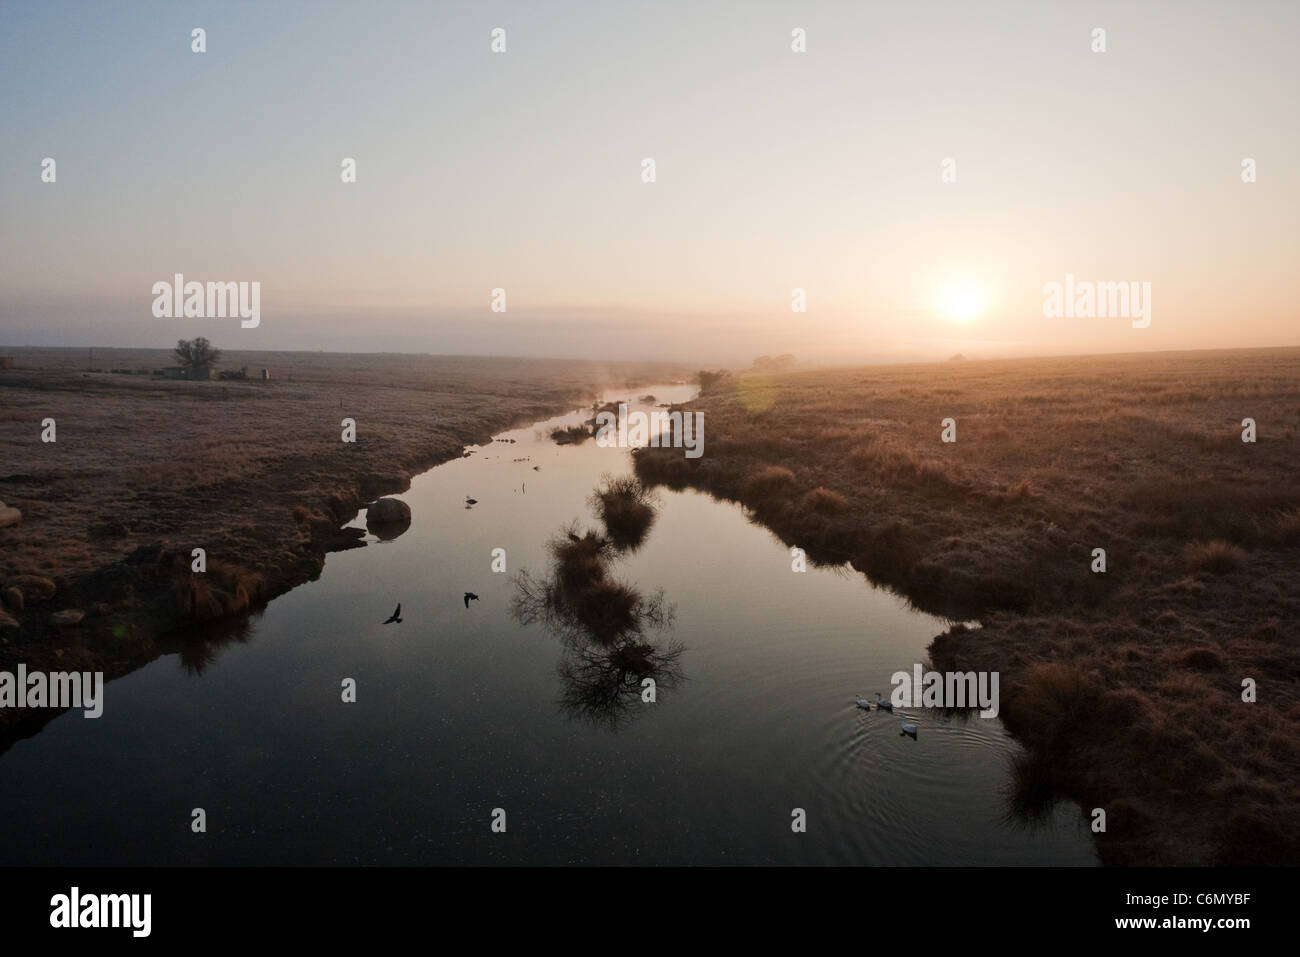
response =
{"points": [[1125, 686], [253, 471]]}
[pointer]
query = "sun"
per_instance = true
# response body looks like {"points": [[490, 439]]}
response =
{"points": [[961, 300]]}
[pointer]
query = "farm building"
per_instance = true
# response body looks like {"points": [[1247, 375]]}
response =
{"points": [[183, 372]]}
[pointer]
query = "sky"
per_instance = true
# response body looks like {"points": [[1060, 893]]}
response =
{"points": [[774, 171]]}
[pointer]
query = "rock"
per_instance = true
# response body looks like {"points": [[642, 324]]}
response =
{"points": [[7, 620], [70, 616], [34, 587], [388, 518], [388, 511], [14, 598], [9, 516]]}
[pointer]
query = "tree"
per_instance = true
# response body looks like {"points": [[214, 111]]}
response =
{"points": [[709, 380], [196, 353]]}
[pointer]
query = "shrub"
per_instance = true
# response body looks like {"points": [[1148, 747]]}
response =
{"points": [[1285, 527], [825, 502], [1203, 659], [1052, 703], [625, 507], [1217, 557], [769, 482]]}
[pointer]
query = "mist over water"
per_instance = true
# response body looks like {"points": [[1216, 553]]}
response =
{"points": [[461, 710]]}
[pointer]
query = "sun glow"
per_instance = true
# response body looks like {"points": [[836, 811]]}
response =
{"points": [[961, 300]]}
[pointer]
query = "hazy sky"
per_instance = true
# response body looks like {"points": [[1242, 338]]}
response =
{"points": [[775, 170]]}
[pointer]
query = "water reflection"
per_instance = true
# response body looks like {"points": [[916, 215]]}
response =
{"points": [[459, 705], [610, 664], [199, 646]]}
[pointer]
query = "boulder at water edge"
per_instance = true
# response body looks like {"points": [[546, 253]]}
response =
{"points": [[388, 511]]}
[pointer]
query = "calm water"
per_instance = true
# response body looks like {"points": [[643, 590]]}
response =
{"points": [[459, 711]]}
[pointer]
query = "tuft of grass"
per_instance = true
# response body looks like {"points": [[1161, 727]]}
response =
{"points": [[1052, 703], [1284, 528], [769, 483], [825, 502], [1024, 489], [224, 589], [1217, 557], [1203, 659], [626, 508], [888, 460]]}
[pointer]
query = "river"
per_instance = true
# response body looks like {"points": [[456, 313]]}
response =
{"points": [[461, 712]]}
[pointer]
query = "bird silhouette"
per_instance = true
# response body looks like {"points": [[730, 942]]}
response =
{"points": [[883, 705], [470, 501], [469, 597], [396, 616]]}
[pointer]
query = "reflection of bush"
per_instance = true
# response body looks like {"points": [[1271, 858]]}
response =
{"points": [[573, 435], [199, 646], [581, 600], [601, 685], [603, 624]]}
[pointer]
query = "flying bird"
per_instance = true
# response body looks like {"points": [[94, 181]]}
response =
{"points": [[470, 501], [396, 616], [469, 597]]}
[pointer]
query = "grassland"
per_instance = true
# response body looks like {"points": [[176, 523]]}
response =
{"points": [[143, 470], [1125, 687]]}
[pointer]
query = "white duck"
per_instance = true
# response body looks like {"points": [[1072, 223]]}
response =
{"points": [[864, 703], [882, 704], [909, 729]]}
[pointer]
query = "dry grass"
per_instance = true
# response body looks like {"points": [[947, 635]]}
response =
{"points": [[626, 508], [825, 502], [253, 471], [770, 482], [1217, 557], [1125, 687]]}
